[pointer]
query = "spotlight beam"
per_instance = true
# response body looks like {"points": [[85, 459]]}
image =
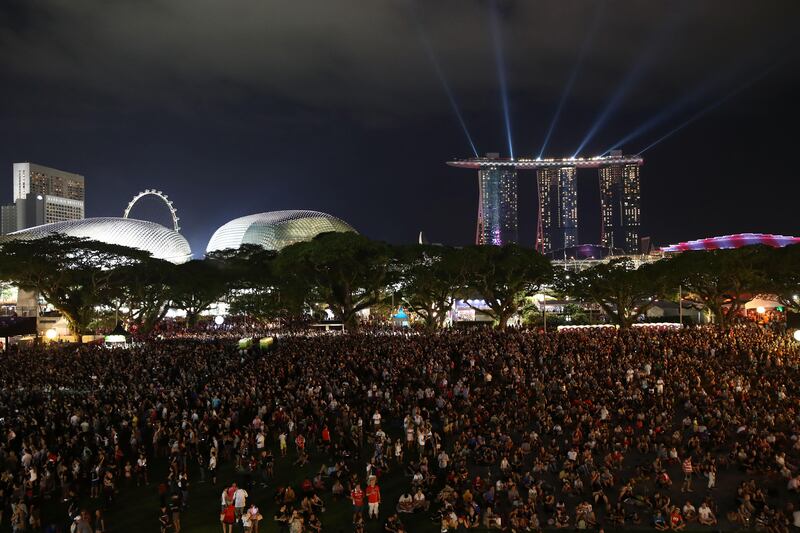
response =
{"points": [[703, 112], [660, 117], [571, 81], [631, 78], [437, 67], [494, 26], [695, 96]]}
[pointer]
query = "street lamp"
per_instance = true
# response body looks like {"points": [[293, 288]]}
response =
{"points": [[219, 320], [541, 298]]}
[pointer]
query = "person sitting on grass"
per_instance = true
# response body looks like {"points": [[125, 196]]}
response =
{"points": [[705, 515], [314, 524], [296, 522], [676, 522], [689, 512], [405, 504], [421, 503], [393, 525], [659, 521]]}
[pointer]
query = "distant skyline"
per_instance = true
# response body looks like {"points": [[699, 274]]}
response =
{"points": [[239, 107]]}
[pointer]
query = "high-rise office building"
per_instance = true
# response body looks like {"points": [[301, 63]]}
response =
{"points": [[43, 195], [8, 219], [497, 204], [558, 208], [620, 205]]}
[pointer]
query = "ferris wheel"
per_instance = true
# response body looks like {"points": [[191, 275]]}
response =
{"points": [[152, 192]]}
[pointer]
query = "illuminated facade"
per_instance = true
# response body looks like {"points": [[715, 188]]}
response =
{"points": [[620, 207], [274, 230], [45, 195], [497, 206], [557, 226], [162, 243], [734, 241], [558, 208]]}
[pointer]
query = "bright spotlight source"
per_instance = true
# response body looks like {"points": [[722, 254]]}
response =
{"points": [[51, 334], [760, 310], [797, 335], [219, 320]]}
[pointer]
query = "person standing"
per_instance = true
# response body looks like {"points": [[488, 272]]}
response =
{"points": [[175, 511], [687, 474], [239, 502], [99, 522], [357, 497], [282, 440], [373, 498], [163, 520], [212, 466]]}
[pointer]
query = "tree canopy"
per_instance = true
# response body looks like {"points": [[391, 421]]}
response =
{"points": [[622, 291], [347, 271], [74, 275], [504, 276]]}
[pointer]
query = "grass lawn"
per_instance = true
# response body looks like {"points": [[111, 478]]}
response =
{"points": [[136, 509]]}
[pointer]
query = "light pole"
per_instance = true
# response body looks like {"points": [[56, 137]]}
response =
{"points": [[542, 299], [680, 304]]}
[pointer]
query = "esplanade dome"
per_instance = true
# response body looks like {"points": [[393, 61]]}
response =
{"points": [[275, 230], [162, 242]]}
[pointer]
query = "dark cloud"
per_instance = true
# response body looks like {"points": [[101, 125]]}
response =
{"points": [[366, 56]]}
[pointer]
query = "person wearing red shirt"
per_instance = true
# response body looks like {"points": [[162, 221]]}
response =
{"points": [[373, 498], [300, 441], [326, 435], [357, 496]]}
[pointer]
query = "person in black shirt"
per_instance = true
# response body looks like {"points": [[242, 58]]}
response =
{"points": [[175, 510], [164, 520]]}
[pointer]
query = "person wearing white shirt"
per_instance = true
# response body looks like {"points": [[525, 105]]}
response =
{"points": [[239, 501]]}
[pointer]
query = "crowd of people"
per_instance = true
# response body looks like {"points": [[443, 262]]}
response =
{"points": [[512, 430]]}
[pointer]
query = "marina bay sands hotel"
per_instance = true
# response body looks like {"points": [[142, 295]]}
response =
{"points": [[557, 226]]}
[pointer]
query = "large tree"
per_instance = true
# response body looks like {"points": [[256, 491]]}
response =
{"points": [[721, 280], [622, 291], [256, 289], [144, 290], [197, 284], [345, 270], [429, 278], [504, 276], [74, 275], [782, 269]]}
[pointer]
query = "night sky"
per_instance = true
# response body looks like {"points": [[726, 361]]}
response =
{"points": [[236, 107]]}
